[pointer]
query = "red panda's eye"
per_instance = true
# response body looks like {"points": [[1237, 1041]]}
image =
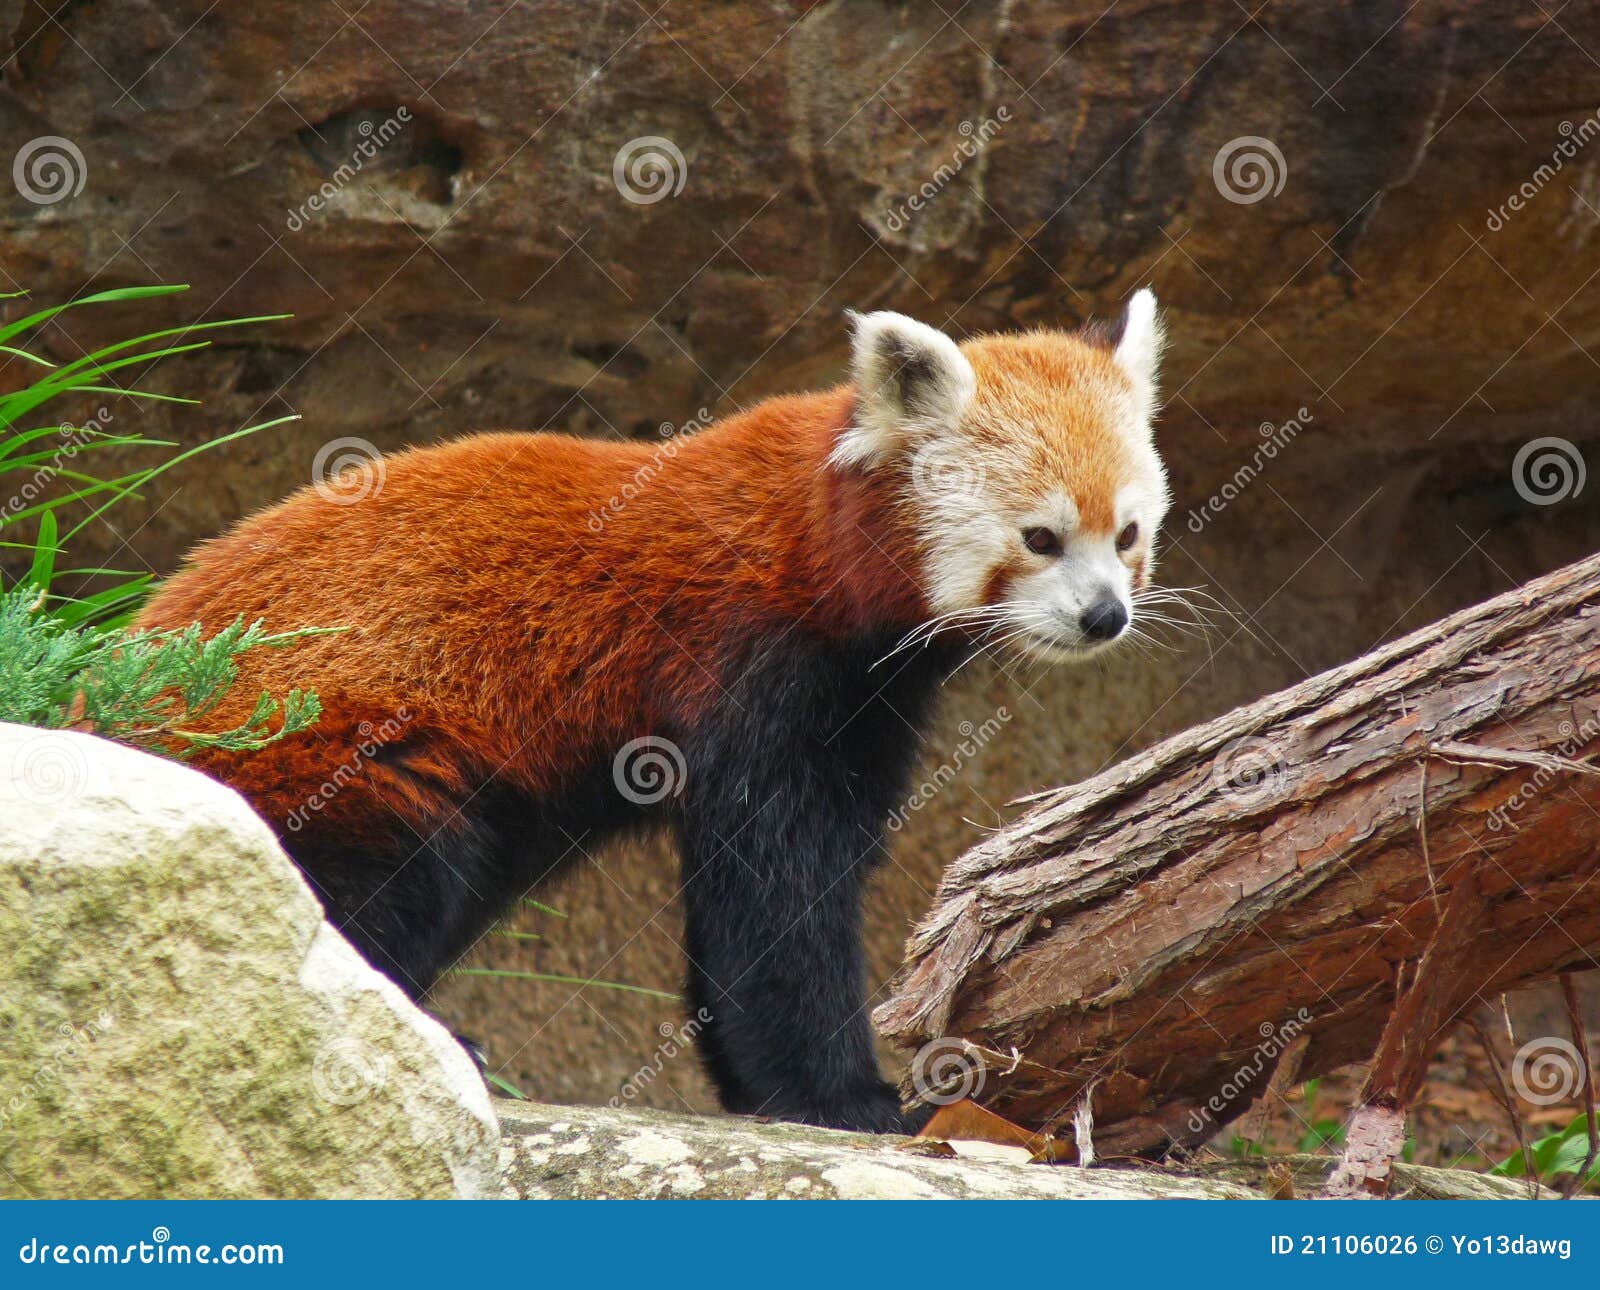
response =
{"points": [[1041, 541], [1128, 536]]}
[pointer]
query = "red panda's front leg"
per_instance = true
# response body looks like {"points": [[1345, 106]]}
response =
{"points": [[777, 977], [788, 790]]}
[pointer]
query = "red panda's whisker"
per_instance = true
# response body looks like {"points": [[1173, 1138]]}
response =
{"points": [[975, 616], [923, 633]]}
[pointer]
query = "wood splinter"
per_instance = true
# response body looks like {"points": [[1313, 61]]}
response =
{"points": [[1446, 981]]}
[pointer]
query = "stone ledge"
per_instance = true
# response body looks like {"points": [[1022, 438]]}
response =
{"points": [[592, 1153]]}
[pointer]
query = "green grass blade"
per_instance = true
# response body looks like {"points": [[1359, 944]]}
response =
{"points": [[45, 552], [156, 471], [11, 330], [512, 974], [93, 360], [543, 909]]}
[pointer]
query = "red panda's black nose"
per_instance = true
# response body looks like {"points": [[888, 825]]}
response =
{"points": [[1104, 620]]}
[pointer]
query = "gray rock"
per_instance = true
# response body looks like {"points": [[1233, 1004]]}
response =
{"points": [[570, 1152], [178, 1020]]}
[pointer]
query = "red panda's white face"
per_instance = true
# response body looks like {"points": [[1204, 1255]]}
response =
{"points": [[1028, 472]]}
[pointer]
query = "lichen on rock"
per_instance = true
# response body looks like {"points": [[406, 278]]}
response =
{"points": [[178, 1020], [569, 1153]]}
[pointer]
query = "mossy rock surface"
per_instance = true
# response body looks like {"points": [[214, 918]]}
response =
{"points": [[178, 1020], [590, 1153]]}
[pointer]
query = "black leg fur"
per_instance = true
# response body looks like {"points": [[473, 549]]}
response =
{"points": [[789, 788], [416, 906]]}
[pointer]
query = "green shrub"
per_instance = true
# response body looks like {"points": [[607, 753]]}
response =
{"points": [[69, 659], [143, 688], [1556, 1157]]}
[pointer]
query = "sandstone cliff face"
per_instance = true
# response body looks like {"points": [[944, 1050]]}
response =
{"points": [[1380, 214]]}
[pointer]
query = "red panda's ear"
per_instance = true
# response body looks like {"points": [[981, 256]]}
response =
{"points": [[1139, 349], [911, 381]]}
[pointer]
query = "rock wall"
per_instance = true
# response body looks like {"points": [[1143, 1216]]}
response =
{"points": [[1381, 214]]}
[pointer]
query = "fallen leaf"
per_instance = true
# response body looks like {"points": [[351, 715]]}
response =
{"points": [[966, 1121]]}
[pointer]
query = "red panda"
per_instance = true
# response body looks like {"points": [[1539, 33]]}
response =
{"points": [[735, 635]]}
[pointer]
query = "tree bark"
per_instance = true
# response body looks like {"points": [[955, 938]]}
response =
{"points": [[1270, 880]]}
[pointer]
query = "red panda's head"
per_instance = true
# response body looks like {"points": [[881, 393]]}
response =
{"points": [[1025, 466]]}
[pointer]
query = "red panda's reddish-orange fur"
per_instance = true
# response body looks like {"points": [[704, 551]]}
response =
{"points": [[731, 541], [523, 609]]}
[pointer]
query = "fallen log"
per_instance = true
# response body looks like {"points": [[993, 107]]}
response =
{"points": [[1160, 936]]}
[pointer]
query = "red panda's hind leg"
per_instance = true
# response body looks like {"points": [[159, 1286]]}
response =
{"points": [[404, 836]]}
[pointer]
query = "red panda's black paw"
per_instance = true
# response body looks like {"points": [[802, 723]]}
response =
{"points": [[876, 1111]]}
